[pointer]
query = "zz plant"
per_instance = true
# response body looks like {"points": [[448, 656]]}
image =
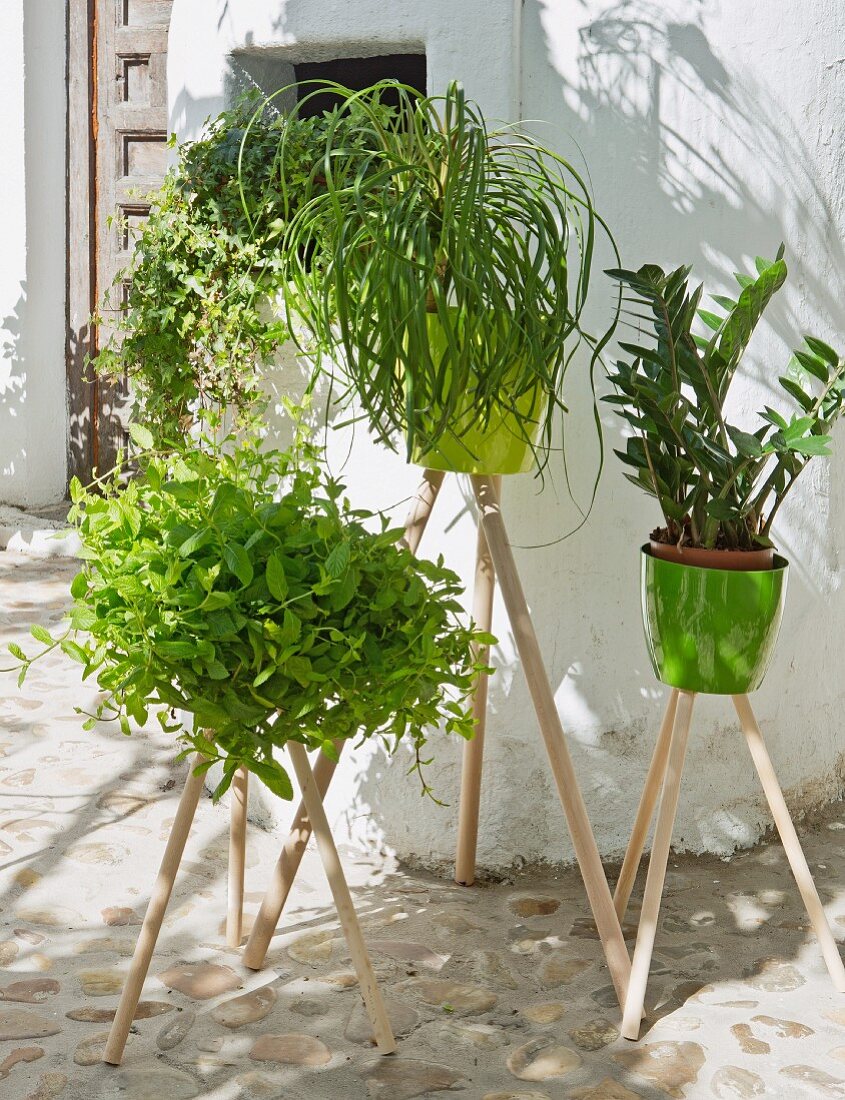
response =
{"points": [[718, 485], [239, 586], [455, 270]]}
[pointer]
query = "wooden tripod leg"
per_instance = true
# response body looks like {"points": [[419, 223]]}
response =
{"points": [[645, 812], [343, 900], [583, 840], [421, 508], [285, 870], [789, 839], [657, 868], [473, 754], [154, 916], [290, 857], [237, 857]]}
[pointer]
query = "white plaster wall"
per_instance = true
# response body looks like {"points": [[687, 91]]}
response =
{"points": [[33, 420], [710, 137]]}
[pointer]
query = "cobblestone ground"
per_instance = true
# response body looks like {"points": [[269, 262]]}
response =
{"points": [[497, 992]]}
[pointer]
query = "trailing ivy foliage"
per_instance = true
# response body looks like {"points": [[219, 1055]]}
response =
{"points": [[239, 586], [718, 485], [193, 329]]}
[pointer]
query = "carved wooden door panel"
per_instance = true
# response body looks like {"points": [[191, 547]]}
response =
{"points": [[117, 155], [131, 161]]}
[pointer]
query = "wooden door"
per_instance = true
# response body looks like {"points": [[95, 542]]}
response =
{"points": [[117, 155]]}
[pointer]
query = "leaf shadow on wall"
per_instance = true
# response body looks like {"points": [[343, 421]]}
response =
{"points": [[736, 180]]}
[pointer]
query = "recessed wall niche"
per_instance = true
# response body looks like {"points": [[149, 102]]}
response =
{"points": [[270, 70]]}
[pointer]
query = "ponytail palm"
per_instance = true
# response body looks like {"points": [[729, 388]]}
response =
{"points": [[481, 238]]}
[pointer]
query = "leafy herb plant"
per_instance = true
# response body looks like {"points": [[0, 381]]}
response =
{"points": [[718, 485], [483, 234], [241, 588]]}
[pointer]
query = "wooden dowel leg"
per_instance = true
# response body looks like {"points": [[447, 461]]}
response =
{"points": [[154, 916], [473, 754], [343, 900], [656, 877], [237, 857], [286, 868], [290, 857], [645, 811], [421, 508], [790, 841], [583, 840]]}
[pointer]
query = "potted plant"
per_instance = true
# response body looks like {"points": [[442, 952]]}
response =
{"points": [[193, 329], [237, 585], [451, 281], [712, 585]]}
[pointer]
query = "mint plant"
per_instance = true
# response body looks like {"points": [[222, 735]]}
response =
{"points": [[239, 586]]}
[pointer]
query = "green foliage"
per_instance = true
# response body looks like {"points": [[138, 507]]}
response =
{"points": [[489, 231], [239, 586], [194, 329], [717, 485]]}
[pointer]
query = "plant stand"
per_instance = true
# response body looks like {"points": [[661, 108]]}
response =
{"points": [[494, 556], [163, 888], [664, 780]]}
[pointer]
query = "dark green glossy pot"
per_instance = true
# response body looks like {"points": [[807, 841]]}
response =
{"points": [[711, 630]]}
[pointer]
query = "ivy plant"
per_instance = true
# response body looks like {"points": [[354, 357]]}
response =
{"points": [[239, 586], [191, 326], [718, 485]]}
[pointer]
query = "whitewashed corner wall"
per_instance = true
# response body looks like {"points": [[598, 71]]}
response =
{"points": [[710, 137], [33, 416]]}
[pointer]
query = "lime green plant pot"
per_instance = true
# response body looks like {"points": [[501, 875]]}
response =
{"points": [[711, 630], [504, 445]]}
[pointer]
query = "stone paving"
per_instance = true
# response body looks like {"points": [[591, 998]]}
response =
{"points": [[498, 992]]}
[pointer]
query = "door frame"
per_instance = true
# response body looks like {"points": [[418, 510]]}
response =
{"points": [[81, 197]]}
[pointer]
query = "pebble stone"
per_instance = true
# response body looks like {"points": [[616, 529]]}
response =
{"points": [[736, 1083], [541, 1059], [145, 1011], [101, 983], [670, 1066], [246, 1009], [823, 1083], [22, 1054], [510, 1095], [152, 1082], [50, 1085], [594, 1035], [416, 953], [464, 1000], [776, 976], [200, 980], [608, 1089], [533, 906], [313, 948], [407, 1078], [291, 1050], [31, 991], [175, 1031], [20, 1023], [559, 968], [90, 1051], [548, 1013], [403, 1020]]}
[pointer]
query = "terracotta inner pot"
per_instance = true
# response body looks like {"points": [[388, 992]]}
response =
{"points": [[741, 560]]}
